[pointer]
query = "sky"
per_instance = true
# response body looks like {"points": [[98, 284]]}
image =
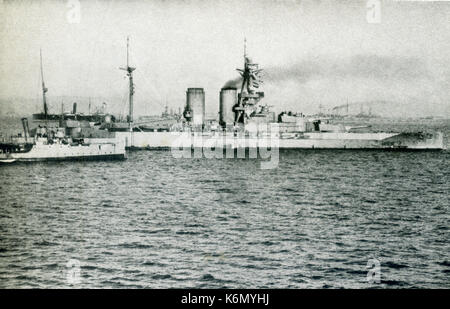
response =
{"points": [[314, 53]]}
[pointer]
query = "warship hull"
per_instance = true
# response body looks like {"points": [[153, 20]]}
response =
{"points": [[313, 140]]}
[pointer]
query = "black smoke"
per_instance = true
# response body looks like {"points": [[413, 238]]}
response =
{"points": [[233, 83], [373, 67]]}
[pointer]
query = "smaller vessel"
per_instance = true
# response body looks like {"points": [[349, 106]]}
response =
{"points": [[72, 141], [69, 140]]}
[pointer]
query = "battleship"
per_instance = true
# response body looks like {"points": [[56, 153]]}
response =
{"points": [[71, 139], [246, 122]]}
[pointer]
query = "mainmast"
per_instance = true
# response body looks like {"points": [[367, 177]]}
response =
{"points": [[131, 88]]}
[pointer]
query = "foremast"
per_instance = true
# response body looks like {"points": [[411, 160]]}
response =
{"points": [[44, 98], [44, 89]]}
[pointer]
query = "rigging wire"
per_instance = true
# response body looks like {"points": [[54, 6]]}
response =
{"points": [[124, 102], [153, 85], [96, 42]]}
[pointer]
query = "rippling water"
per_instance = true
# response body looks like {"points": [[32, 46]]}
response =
{"points": [[158, 222]]}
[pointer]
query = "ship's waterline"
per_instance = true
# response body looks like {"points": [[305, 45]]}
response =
{"points": [[300, 140]]}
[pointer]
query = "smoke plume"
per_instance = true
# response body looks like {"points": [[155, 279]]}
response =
{"points": [[372, 67], [233, 83]]}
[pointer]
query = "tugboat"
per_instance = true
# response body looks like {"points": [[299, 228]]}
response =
{"points": [[70, 140]]}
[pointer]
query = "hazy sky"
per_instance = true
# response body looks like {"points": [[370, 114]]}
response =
{"points": [[314, 52]]}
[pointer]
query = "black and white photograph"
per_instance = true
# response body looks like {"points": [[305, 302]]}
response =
{"points": [[225, 145]]}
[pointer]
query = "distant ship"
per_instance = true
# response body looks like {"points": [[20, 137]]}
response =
{"points": [[69, 140], [244, 122], [74, 115]]}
